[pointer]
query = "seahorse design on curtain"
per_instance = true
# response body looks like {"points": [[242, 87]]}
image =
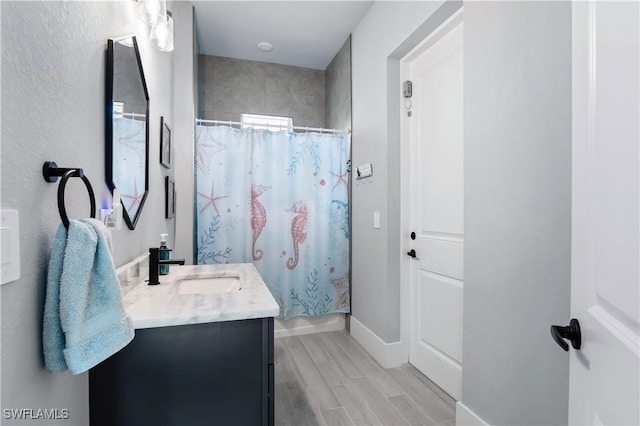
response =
{"points": [[258, 218], [298, 234], [285, 210]]}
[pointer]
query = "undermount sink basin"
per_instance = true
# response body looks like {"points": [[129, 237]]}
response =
{"points": [[209, 284]]}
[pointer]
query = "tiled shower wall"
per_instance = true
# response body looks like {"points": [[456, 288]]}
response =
{"points": [[229, 87], [338, 89]]}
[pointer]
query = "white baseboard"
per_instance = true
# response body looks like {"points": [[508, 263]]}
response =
{"points": [[388, 355], [466, 417], [306, 325]]}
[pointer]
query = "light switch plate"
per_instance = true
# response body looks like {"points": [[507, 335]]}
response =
{"points": [[10, 246], [376, 219]]}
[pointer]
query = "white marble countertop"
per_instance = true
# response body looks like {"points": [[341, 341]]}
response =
{"points": [[163, 305]]}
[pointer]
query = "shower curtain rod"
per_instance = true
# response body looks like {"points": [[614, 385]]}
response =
{"points": [[129, 115], [237, 123]]}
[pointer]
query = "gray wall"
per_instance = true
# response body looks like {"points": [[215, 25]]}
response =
{"points": [[375, 139], [229, 87], [184, 108], [517, 196], [517, 68], [53, 80], [337, 100]]}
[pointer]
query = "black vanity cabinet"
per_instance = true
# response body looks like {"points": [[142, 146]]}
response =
{"points": [[217, 373]]}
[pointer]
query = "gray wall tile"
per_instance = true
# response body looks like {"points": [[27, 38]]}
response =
{"points": [[222, 99], [252, 75], [337, 109], [225, 72], [279, 103], [229, 87], [251, 100]]}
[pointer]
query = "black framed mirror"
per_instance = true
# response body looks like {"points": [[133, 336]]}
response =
{"points": [[127, 127]]}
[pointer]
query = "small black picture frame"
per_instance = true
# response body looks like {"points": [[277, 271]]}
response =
{"points": [[170, 198], [165, 144]]}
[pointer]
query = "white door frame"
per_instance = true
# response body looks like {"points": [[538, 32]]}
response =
{"points": [[405, 176]]}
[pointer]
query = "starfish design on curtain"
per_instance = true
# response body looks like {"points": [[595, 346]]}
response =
{"points": [[296, 234], [135, 197], [211, 200], [341, 178], [207, 148]]}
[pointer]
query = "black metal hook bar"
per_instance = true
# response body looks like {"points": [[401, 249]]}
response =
{"points": [[51, 172]]}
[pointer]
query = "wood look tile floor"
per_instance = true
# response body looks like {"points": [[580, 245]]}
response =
{"points": [[329, 379]]}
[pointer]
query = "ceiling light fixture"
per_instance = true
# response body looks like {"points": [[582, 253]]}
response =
{"points": [[265, 46], [161, 35], [155, 14], [152, 11]]}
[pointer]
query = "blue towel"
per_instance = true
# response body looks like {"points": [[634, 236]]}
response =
{"points": [[84, 320]]}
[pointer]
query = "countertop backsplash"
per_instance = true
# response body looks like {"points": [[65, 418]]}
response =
{"points": [[130, 274]]}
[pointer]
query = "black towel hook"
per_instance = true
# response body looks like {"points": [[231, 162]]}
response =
{"points": [[51, 172]]}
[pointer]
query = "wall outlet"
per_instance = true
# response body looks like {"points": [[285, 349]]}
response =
{"points": [[112, 217], [10, 246]]}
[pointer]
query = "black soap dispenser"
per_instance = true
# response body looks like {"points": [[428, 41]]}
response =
{"points": [[164, 253]]}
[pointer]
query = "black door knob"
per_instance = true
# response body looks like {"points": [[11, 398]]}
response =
{"points": [[412, 253], [570, 332]]}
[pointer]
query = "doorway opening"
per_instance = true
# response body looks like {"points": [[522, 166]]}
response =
{"points": [[432, 204]]}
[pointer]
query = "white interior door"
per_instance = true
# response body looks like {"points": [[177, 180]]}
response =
{"points": [[605, 280], [436, 199]]}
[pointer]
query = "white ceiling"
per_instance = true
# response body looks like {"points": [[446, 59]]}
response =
{"points": [[305, 33]]}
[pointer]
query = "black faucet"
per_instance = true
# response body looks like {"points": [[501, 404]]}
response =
{"points": [[155, 262]]}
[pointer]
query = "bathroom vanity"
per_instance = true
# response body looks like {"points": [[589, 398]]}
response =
{"points": [[202, 352]]}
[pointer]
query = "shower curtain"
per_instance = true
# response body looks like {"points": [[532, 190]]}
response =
{"points": [[279, 200]]}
